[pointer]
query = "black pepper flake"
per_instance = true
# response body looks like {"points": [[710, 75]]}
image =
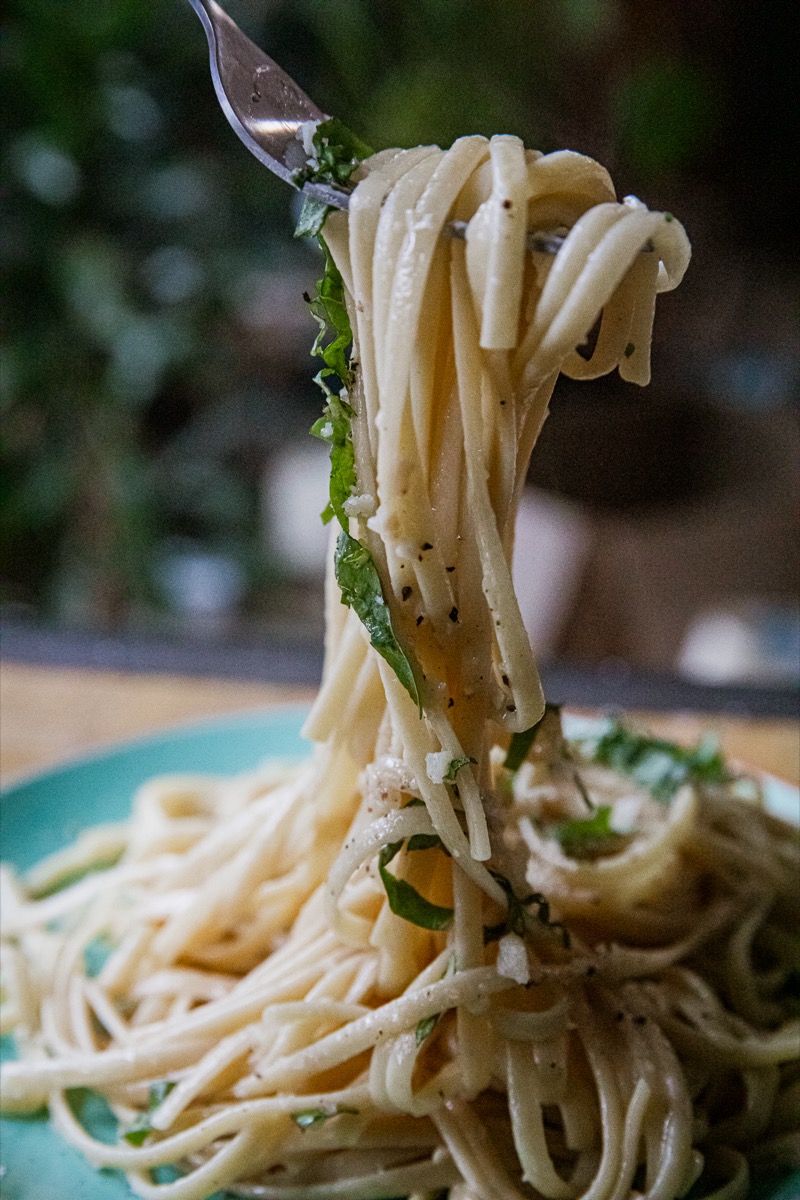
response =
{"points": [[590, 971], [506, 680], [420, 620], [640, 1020], [449, 569], [511, 708], [450, 702], [506, 204], [620, 1016], [426, 546], [406, 592], [419, 558], [453, 614], [306, 297]]}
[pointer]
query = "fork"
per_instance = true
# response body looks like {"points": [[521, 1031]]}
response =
{"points": [[266, 108], [263, 104]]}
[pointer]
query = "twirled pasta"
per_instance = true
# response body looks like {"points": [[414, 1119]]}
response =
{"points": [[607, 1035]]}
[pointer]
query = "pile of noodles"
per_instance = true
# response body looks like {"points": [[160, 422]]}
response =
{"points": [[388, 972]]}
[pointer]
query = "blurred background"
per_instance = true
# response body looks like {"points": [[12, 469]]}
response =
{"points": [[157, 477]]}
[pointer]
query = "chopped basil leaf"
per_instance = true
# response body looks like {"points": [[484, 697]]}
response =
{"points": [[334, 428], [587, 837], [706, 762], [308, 1117], [142, 1127], [337, 153], [138, 1132], [516, 916], [629, 349], [455, 766], [361, 590], [312, 217], [426, 1027], [520, 745], [405, 901], [424, 841], [332, 345], [329, 310], [658, 765], [522, 742]]}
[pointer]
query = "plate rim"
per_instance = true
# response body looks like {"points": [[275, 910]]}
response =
{"points": [[94, 755]]}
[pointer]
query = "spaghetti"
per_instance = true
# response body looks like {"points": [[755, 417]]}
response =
{"points": [[456, 953]]}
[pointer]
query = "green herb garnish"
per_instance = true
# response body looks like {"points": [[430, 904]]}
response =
{"points": [[425, 841], [516, 919], [455, 766], [426, 1027], [329, 310], [521, 743], [361, 590], [309, 1117], [405, 901], [629, 349], [589, 836], [334, 428], [337, 153], [142, 1127], [658, 765]]}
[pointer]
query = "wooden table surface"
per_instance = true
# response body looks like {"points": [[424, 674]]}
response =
{"points": [[48, 714]]}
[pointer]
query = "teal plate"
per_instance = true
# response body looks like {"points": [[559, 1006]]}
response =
{"points": [[43, 812]]}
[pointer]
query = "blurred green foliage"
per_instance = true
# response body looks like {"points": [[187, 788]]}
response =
{"points": [[138, 406], [131, 221]]}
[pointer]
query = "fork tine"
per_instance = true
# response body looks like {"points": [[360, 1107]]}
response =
{"points": [[263, 104]]}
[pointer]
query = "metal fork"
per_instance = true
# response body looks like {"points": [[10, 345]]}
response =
{"points": [[263, 104], [266, 108]]}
